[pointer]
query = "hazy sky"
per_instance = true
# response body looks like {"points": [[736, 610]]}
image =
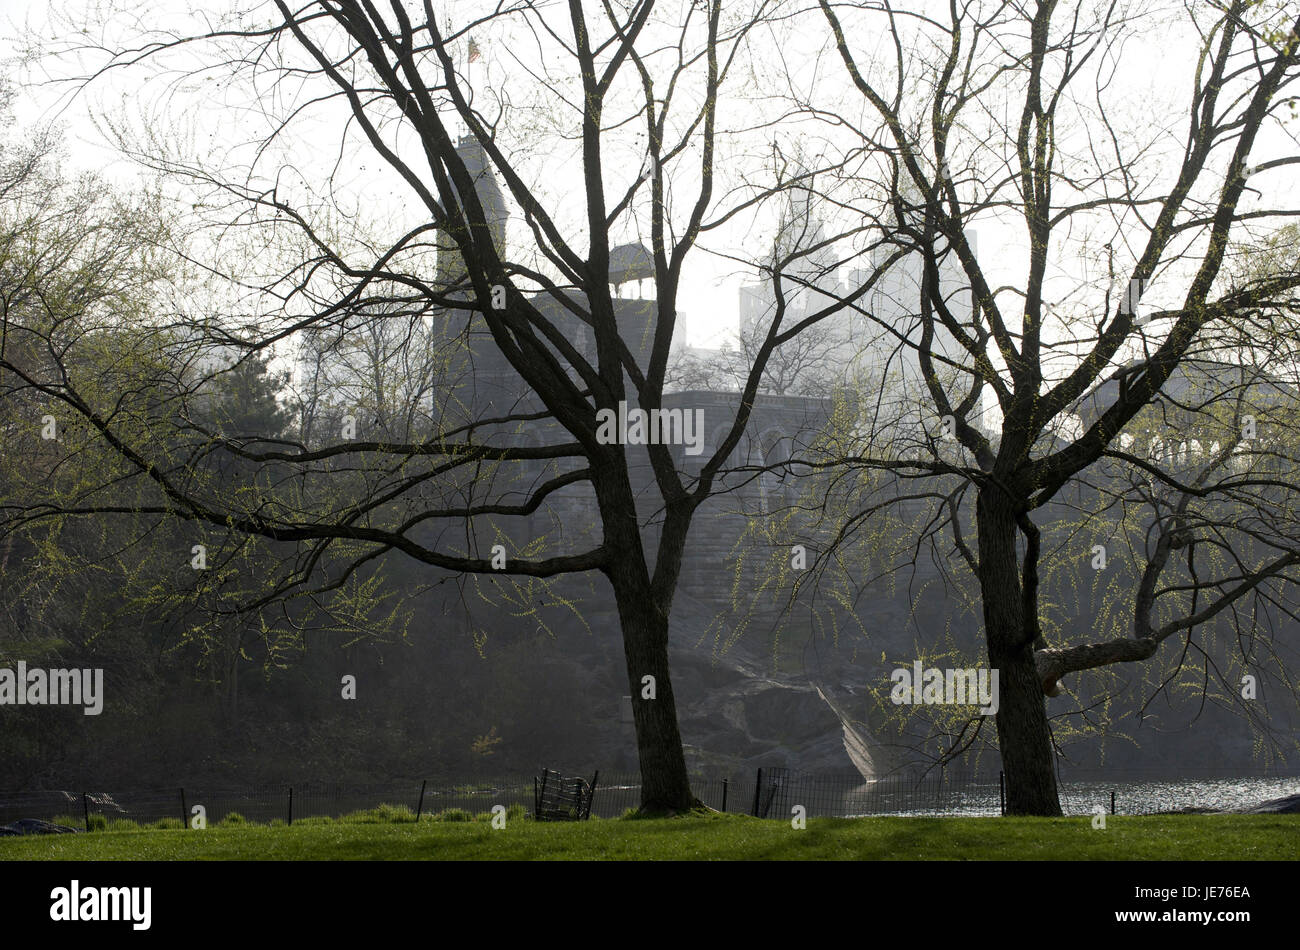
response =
{"points": [[708, 298], [214, 120]]}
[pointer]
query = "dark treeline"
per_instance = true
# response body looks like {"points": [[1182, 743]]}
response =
{"points": [[455, 681]]}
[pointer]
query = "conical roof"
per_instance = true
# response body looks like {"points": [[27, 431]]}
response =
{"points": [[630, 262]]}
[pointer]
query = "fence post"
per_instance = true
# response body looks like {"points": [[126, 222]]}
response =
{"points": [[1112, 801], [85, 809], [724, 794], [185, 812], [291, 804], [419, 809], [758, 784], [1002, 792], [591, 795]]}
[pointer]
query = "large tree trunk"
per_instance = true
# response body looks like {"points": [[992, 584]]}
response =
{"points": [[1023, 734], [664, 783], [644, 619]]}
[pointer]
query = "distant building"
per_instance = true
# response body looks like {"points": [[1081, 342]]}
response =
{"points": [[804, 265], [860, 352], [1203, 405]]}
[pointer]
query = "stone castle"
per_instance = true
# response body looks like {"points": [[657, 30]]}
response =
{"points": [[759, 679]]}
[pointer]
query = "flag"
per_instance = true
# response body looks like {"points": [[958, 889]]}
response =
{"points": [[473, 51]]}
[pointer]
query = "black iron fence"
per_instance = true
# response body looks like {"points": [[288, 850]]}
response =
{"points": [[774, 793]]}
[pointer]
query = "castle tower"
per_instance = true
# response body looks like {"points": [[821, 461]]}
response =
{"points": [[475, 375], [800, 232], [451, 266]]}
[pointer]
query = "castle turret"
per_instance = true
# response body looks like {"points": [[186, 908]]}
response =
{"points": [[451, 266], [474, 371]]}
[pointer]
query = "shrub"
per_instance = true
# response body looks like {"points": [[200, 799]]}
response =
{"points": [[517, 812], [455, 814], [394, 813], [384, 814], [97, 823], [233, 818]]}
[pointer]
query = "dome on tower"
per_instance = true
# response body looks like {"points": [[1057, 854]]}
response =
{"points": [[630, 262]]}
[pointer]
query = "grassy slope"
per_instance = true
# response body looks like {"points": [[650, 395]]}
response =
{"points": [[1173, 837]]}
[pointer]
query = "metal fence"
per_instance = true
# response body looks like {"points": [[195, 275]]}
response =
{"points": [[766, 793]]}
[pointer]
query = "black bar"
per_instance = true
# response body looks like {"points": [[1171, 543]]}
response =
{"points": [[85, 809], [724, 794], [591, 795], [1002, 792], [1112, 801], [28, 893], [185, 812], [420, 808], [758, 784]]}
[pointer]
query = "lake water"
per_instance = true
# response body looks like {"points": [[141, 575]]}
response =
{"points": [[1131, 797]]}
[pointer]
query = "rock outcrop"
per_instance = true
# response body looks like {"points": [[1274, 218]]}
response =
{"points": [[34, 826], [1288, 805], [728, 699]]}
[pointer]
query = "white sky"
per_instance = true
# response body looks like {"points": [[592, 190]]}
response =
{"points": [[213, 119]]}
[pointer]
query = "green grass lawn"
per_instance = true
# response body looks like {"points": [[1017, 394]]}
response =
{"points": [[730, 837]]}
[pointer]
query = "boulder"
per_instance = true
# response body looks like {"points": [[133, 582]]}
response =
{"points": [[34, 826], [1289, 805]]}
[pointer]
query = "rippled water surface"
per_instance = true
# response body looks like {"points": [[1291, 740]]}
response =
{"points": [[1140, 797]]}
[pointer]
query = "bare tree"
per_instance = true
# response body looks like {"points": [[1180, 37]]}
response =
{"points": [[1011, 116], [630, 97]]}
